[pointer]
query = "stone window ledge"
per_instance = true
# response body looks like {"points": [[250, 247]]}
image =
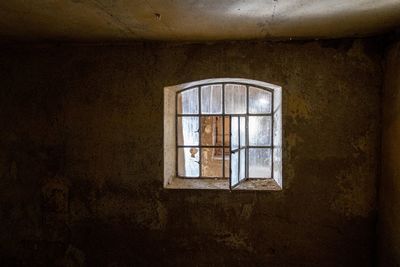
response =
{"points": [[223, 184]]}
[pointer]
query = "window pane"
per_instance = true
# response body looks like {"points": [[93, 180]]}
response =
{"points": [[235, 168], [259, 163], [211, 162], [235, 99], [211, 130], [188, 128], [259, 130], [242, 173], [211, 99], [188, 102], [227, 131], [259, 100], [235, 133], [242, 131], [188, 162], [227, 162]]}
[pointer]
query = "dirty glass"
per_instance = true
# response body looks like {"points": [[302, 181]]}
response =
{"points": [[259, 101], [188, 131], [248, 132], [259, 130], [242, 131], [234, 168], [260, 163], [188, 159], [235, 133], [188, 102], [242, 173], [235, 99], [211, 130], [211, 99], [211, 164]]}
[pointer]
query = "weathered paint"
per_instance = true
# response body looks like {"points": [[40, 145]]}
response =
{"points": [[81, 157], [194, 20]]}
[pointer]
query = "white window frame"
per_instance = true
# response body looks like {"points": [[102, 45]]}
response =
{"points": [[171, 181]]}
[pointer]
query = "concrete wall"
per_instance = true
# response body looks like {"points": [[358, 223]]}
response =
{"points": [[389, 193], [81, 157]]}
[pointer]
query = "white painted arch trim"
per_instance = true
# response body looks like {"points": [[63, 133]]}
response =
{"points": [[226, 80]]}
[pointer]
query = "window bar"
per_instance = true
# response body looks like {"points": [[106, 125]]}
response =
{"points": [[200, 147], [247, 146], [247, 173], [218, 115], [270, 147], [230, 152], [272, 135], [223, 130], [204, 146], [176, 134], [238, 150]]}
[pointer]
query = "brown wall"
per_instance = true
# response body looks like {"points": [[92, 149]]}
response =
{"points": [[81, 157], [389, 193]]}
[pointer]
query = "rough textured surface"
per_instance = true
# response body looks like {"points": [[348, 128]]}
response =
{"points": [[81, 158], [389, 193], [106, 20]]}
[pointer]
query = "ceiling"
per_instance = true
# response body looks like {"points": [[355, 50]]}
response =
{"points": [[124, 20]]}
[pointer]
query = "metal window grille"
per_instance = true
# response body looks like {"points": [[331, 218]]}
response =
{"points": [[200, 147]]}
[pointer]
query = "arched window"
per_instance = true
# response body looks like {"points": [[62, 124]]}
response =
{"points": [[228, 130]]}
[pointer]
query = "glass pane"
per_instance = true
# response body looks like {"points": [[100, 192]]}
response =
{"points": [[235, 168], [188, 162], [259, 130], [242, 131], [211, 162], [211, 99], [227, 131], [235, 99], [188, 102], [259, 100], [277, 174], [188, 131], [242, 174], [211, 130], [259, 163], [227, 162], [235, 133]]}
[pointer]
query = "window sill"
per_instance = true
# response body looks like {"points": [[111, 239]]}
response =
{"points": [[223, 184]]}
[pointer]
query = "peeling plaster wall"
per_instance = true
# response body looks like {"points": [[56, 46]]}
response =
{"points": [[389, 193], [81, 157], [117, 20]]}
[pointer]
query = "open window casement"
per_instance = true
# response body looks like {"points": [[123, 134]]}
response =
{"points": [[227, 135]]}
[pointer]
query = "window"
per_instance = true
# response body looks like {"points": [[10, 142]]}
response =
{"points": [[223, 134]]}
